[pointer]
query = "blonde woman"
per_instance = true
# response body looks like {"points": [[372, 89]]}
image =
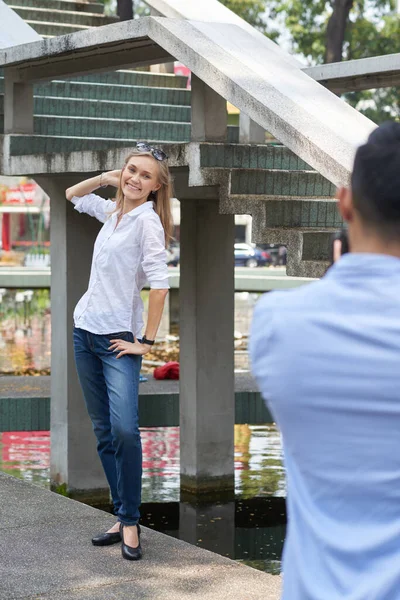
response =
{"points": [[108, 340]]}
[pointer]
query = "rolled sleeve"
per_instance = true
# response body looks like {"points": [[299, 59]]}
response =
{"points": [[94, 205], [154, 263]]}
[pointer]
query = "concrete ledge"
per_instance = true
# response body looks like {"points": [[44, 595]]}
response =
{"points": [[23, 277], [46, 552], [25, 403], [356, 75]]}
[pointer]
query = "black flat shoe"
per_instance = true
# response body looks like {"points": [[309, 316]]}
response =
{"points": [[107, 539], [127, 551]]}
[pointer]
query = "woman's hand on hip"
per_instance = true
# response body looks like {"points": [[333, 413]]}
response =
{"points": [[124, 347]]}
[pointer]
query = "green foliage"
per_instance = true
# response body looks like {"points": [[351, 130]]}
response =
{"points": [[373, 29], [255, 12]]}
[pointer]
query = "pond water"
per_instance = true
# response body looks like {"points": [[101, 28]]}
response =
{"points": [[251, 529]]}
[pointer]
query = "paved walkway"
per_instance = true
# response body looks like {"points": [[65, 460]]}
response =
{"points": [[46, 554], [39, 387]]}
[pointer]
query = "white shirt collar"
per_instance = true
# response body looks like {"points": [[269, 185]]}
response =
{"points": [[148, 205]]}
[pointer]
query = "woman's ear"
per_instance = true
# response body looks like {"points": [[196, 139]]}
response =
{"points": [[156, 187]]}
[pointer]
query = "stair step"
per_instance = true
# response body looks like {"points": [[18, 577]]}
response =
{"points": [[24, 145], [54, 29], [111, 128], [303, 213], [317, 244], [280, 183], [247, 156], [117, 93], [62, 17], [140, 78], [100, 109], [91, 7]]}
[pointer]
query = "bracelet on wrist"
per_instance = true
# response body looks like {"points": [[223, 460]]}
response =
{"points": [[147, 342], [101, 177]]}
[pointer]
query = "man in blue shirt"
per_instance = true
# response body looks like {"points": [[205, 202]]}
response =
{"points": [[327, 361]]}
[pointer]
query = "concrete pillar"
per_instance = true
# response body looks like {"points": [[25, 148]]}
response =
{"points": [[250, 132], [18, 104], [209, 526], [207, 403], [209, 113], [75, 467]]}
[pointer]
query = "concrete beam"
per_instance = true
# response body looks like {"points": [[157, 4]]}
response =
{"points": [[356, 75], [213, 11], [120, 45], [311, 121]]}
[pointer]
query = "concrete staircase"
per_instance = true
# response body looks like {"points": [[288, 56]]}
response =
{"points": [[291, 203], [50, 18]]}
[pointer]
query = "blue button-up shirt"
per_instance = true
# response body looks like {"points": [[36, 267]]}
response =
{"points": [[327, 360]]}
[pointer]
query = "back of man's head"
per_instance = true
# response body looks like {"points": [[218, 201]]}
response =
{"points": [[375, 181]]}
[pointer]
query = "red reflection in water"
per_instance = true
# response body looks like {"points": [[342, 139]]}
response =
{"points": [[26, 447], [31, 449]]}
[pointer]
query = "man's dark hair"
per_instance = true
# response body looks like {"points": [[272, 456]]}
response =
{"points": [[375, 180]]}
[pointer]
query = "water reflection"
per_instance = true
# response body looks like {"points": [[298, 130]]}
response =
{"points": [[258, 461], [251, 529]]}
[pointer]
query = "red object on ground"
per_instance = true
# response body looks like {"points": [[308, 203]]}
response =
{"points": [[168, 371]]}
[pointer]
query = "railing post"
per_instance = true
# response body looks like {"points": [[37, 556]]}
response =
{"points": [[250, 132], [209, 113]]}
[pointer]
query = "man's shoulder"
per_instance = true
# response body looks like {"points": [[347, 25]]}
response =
{"points": [[306, 295]]}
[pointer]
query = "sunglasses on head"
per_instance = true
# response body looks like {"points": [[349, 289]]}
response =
{"points": [[156, 152]]}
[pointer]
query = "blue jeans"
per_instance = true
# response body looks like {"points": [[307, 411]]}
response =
{"points": [[111, 388]]}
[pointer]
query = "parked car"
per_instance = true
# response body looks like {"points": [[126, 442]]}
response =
{"points": [[250, 256], [278, 253]]}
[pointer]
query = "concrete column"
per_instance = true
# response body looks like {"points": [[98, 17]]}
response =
{"points": [[209, 526], [207, 402], [209, 113], [18, 104], [250, 132], [75, 467]]}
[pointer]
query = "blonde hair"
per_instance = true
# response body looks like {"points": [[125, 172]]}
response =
{"points": [[161, 198]]}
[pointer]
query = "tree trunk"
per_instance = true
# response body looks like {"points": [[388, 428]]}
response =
{"points": [[336, 30], [125, 9]]}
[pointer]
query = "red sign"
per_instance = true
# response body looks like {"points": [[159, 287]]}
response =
{"points": [[21, 194]]}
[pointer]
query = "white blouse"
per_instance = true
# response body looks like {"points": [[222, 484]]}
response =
{"points": [[124, 259]]}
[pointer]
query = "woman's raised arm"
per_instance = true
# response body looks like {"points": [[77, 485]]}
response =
{"points": [[89, 185]]}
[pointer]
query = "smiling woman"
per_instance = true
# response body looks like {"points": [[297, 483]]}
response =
{"points": [[108, 342]]}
